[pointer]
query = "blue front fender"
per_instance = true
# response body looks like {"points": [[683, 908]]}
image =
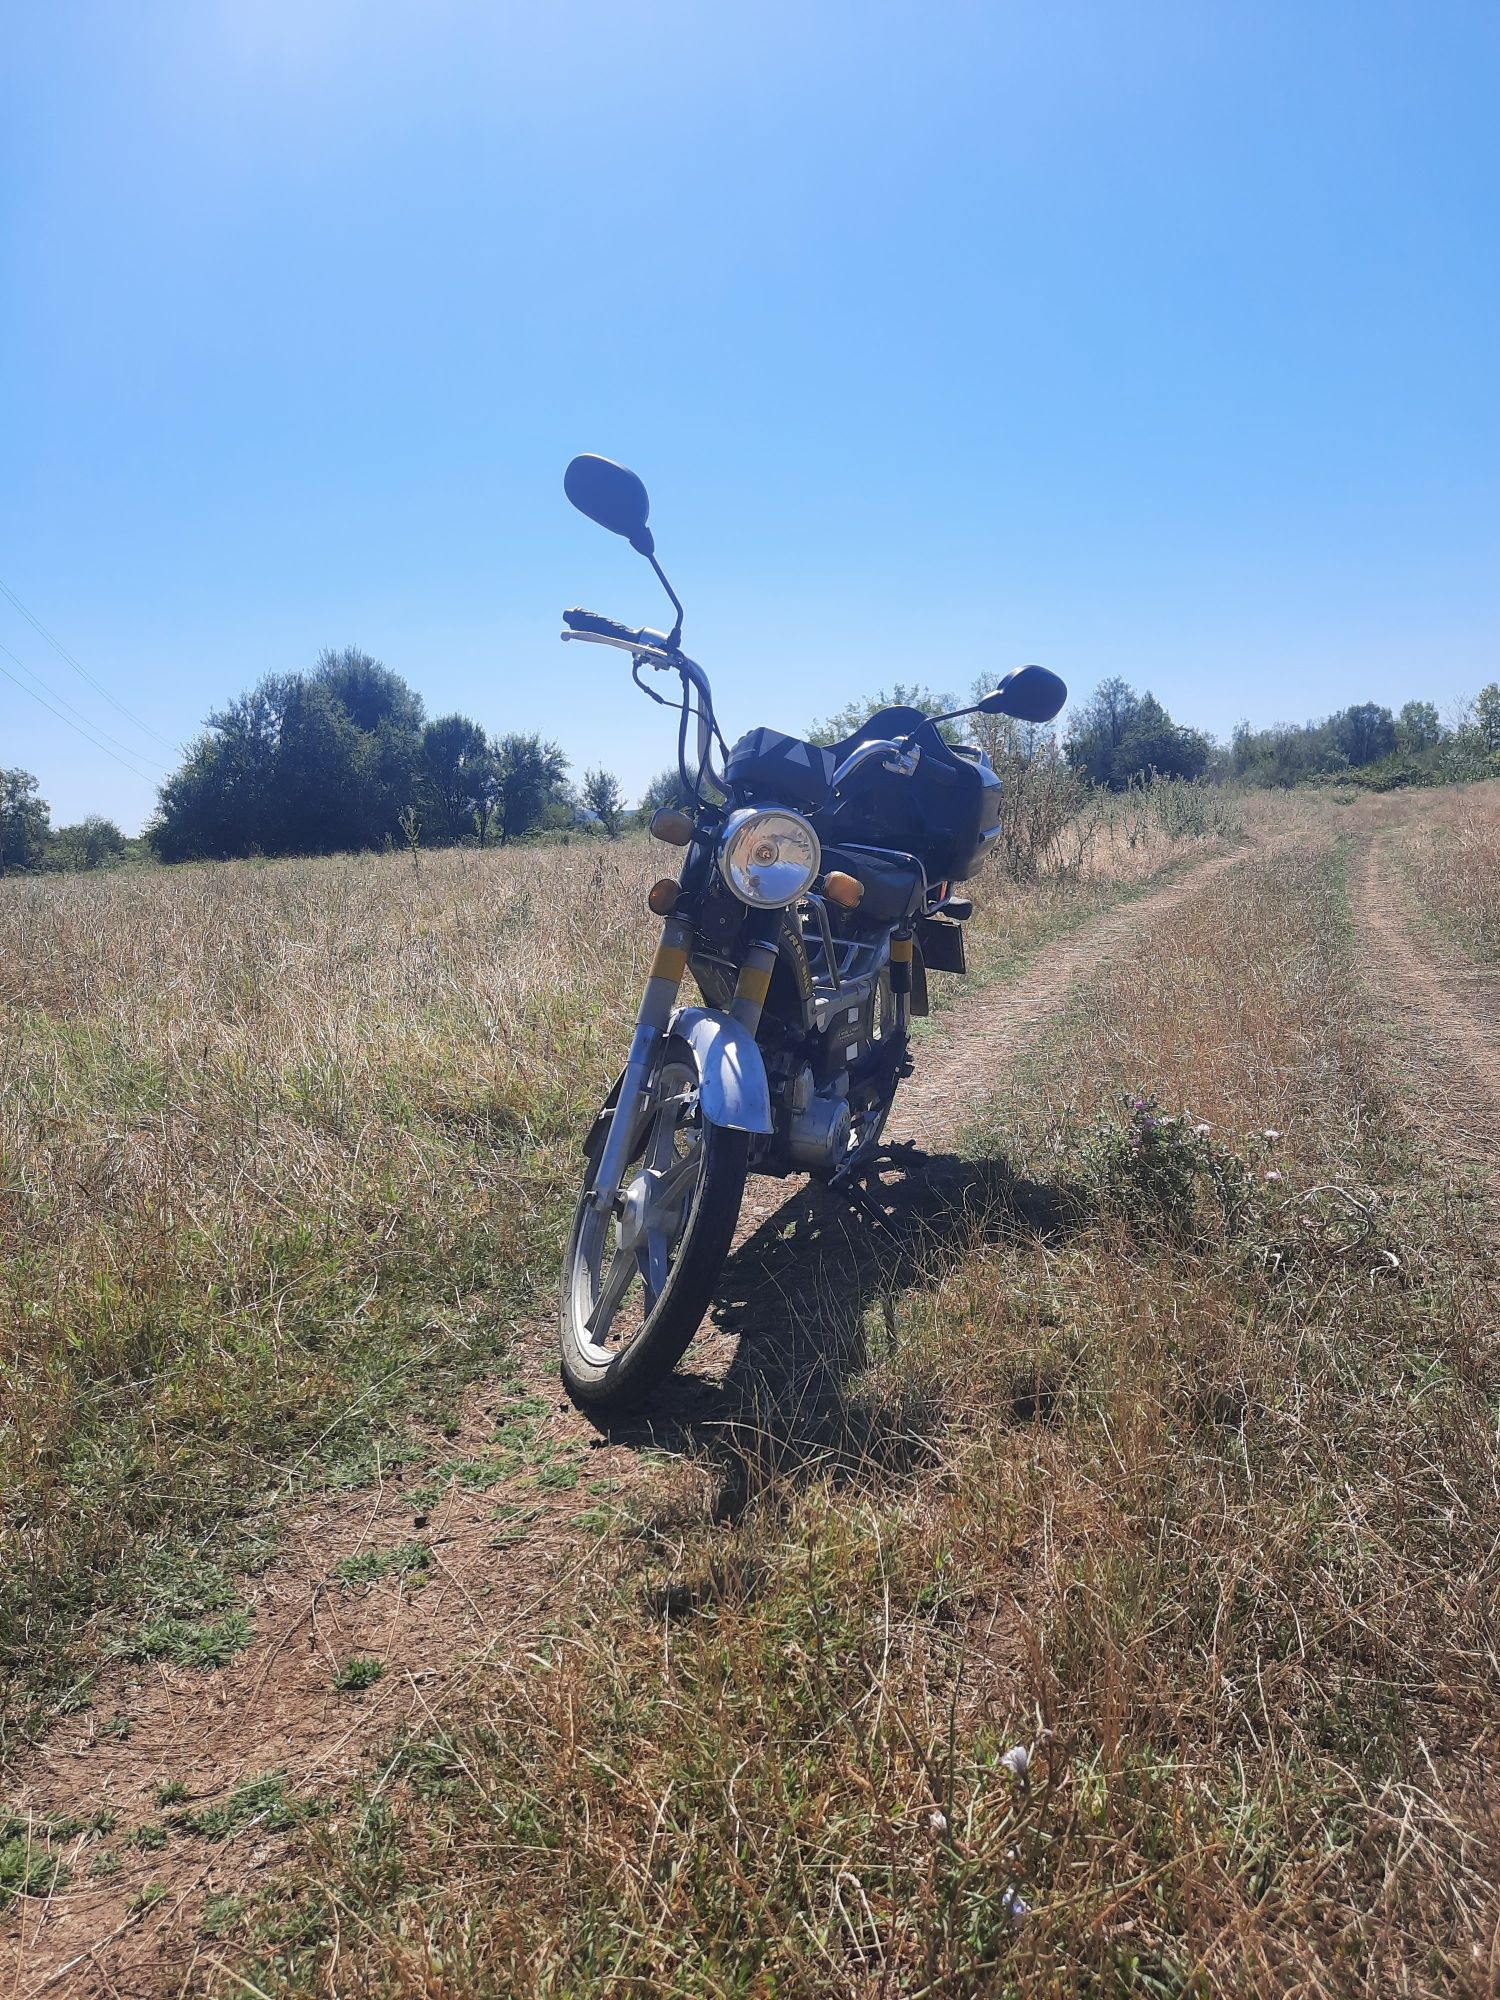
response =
{"points": [[732, 1086]]}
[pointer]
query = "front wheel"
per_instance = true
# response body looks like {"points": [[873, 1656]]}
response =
{"points": [[640, 1269]]}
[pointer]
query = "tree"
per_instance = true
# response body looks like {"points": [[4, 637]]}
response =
{"points": [[302, 764], [487, 793], [25, 821], [460, 777], [1118, 735], [665, 789], [94, 842], [1418, 728], [1154, 742], [604, 799], [1364, 733], [531, 775], [1097, 728], [370, 694], [1487, 716], [1285, 754]]}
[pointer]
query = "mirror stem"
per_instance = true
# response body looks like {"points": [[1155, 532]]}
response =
{"points": [[676, 632]]}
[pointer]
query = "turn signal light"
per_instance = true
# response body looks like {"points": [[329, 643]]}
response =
{"points": [[663, 895], [845, 890], [674, 827]]}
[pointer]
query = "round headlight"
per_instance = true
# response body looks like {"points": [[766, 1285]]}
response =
{"points": [[768, 858]]}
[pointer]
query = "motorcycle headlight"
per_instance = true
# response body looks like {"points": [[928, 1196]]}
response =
{"points": [[768, 858]]}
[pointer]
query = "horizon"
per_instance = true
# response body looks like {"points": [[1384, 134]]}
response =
{"points": [[1159, 347], [1077, 699]]}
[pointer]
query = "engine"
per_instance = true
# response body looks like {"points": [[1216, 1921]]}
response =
{"points": [[819, 1124]]}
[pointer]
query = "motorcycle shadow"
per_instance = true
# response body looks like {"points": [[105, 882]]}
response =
{"points": [[779, 1385]]}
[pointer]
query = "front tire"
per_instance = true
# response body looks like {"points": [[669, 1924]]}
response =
{"points": [[639, 1273]]}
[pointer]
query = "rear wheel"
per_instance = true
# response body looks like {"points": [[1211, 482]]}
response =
{"points": [[640, 1268]]}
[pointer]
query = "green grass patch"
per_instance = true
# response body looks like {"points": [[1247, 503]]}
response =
{"points": [[358, 1673], [410, 1561], [263, 1805]]}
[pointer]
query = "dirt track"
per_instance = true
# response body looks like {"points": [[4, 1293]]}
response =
{"points": [[769, 1360]]}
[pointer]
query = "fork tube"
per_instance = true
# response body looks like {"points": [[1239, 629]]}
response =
{"points": [[753, 983], [651, 1021], [901, 951]]}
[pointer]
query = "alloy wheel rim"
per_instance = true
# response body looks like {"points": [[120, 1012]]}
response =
{"points": [[625, 1251]]}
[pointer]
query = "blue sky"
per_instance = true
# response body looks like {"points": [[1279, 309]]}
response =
{"points": [[1149, 339]]}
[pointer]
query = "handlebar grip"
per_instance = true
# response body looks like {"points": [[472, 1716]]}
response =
{"points": [[595, 621]]}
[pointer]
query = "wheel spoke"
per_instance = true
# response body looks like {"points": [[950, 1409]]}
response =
{"points": [[661, 1146], [653, 1262], [670, 1185], [616, 1281]]}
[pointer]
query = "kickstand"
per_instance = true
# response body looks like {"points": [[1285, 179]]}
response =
{"points": [[859, 1197]]}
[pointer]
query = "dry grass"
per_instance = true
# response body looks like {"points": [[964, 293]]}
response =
{"points": [[284, 1149], [1451, 856], [1203, 1519], [279, 1147]]}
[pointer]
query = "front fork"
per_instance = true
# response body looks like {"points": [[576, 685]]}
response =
{"points": [[901, 954], [655, 1011], [651, 1022]]}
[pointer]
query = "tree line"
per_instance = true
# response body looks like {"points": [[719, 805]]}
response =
{"points": [[1119, 737], [28, 839], [343, 758], [338, 759]]}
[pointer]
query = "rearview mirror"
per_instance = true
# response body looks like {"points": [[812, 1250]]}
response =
{"points": [[613, 496], [1030, 694]]}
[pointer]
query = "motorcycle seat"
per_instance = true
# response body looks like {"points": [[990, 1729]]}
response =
{"points": [[895, 884]]}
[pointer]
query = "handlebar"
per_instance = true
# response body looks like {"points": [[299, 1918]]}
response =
{"points": [[657, 649], [606, 628], [896, 756]]}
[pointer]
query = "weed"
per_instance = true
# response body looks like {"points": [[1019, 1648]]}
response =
{"points": [[262, 1804], [358, 1673], [222, 1916], [177, 1589], [411, 1560], [1164, 1173], [185, 1642], [515, 1519], [28, 1867]]}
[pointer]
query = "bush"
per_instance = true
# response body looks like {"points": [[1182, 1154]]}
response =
{"points": [[1164, 1175]]}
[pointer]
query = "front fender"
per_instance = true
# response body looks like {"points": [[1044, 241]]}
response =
{"points": [[732, 1086]]}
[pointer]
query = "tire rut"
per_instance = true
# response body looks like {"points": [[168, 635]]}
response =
{"points": [[1441, 1016]]}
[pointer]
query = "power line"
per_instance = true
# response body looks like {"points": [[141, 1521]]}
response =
{"points": [[87, 721], [144, 776], [64, 654]]}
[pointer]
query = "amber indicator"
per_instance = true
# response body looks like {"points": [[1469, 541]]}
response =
{"points": [[845, 890], [674, 827], [663, 895]]}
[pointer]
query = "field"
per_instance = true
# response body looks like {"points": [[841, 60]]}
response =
{"points": [[1085, 1583]]}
